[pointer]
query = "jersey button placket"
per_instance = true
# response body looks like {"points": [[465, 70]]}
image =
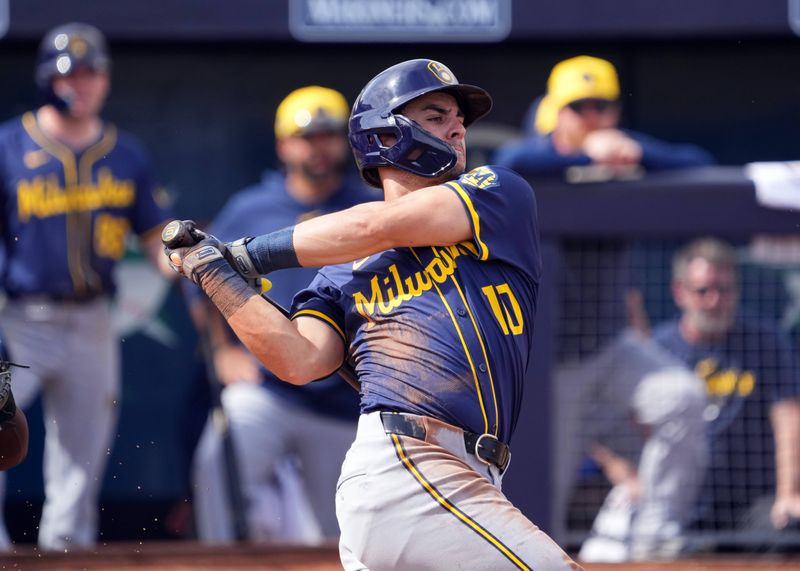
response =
{"points": [[461, 312]]}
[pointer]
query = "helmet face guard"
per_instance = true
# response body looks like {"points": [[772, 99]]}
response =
{"points": [[414, 150], [378, 110]]}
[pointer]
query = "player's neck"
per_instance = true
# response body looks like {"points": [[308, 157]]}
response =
{"points": [[306, 190], [75, 132], [397, 183]]}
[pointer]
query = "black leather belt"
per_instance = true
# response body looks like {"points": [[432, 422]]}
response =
{"points": [[485, 447]]}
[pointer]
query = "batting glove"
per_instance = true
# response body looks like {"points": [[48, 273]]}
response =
{"points": [[237, 255], [192, 261]]}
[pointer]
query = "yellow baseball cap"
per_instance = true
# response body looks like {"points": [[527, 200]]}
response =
{"points": [[311, 109], [581, 77]]}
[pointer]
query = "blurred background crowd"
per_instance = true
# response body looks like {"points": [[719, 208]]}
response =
{"points": [[661, 415]]}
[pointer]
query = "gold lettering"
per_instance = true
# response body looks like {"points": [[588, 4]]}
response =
{"points": [[401, 294], [44, 197], [423, 284], [438, 271], [747, 383], [367, 308], [398, 290]]}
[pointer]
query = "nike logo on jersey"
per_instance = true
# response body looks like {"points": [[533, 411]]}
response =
{"points": [[358, 263], [35, 159]]}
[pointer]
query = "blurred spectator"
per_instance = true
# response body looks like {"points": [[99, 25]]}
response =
{"points": [[73, 188], [291, 440], [645, 430], [752, 383], [576, 123]]}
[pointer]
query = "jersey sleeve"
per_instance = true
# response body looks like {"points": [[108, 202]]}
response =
{"points": [[502, 210], [322, 300]]}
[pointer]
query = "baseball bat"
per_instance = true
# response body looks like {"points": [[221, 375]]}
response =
{"points": [[182, 233], [176, 234]]}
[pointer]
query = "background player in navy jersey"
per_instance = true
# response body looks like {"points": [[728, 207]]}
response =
{"points": [[432, 301], [753, 388], [271, 421], [73, 188]]}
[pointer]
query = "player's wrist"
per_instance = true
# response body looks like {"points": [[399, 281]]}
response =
{"points": [[224, 286], [273, 251]]}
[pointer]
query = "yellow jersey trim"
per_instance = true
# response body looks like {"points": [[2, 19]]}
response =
{"points": [[446, 504], [68, 161], [476, 220], [90, 156], [321, 316], [483, 349], [463, 344]]}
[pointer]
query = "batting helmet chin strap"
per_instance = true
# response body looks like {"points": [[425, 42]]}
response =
{"points": [[414, 150]]}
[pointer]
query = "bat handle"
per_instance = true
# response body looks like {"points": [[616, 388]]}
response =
{"points": [[179, 233]]}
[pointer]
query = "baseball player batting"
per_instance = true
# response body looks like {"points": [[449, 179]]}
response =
{"points": [[72, 188], [432, 294]]}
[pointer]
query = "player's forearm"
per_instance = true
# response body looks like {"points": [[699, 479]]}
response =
{"points": [[330, 239], [785, 416], [277, 343], [430, 216]]}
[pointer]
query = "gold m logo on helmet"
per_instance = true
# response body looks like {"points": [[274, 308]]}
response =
{"points": [[441, 72], [78, 47]]}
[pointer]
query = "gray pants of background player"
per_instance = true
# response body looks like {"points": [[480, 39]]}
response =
{"points": [[407, 504], [632, 379], [289, 459], [73, 356]]}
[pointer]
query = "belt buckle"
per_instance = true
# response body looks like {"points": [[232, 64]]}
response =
{"points": [[482, 460]]}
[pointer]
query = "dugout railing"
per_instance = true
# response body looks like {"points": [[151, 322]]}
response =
{"points": [[599, 240]]}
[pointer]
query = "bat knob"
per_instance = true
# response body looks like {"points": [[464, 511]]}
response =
{"points": [[178, 233]]}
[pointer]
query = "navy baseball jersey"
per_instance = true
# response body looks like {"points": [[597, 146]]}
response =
{"points": [[67, 214], [749, 370], [267, 207], [444, 331]]}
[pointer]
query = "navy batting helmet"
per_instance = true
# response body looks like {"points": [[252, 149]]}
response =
{"points": [[65, 49], [378, 110]]}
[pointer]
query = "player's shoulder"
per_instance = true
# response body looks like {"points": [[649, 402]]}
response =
{"points": [[489, 176], [751, 326], [11, 128], [666, 333]]}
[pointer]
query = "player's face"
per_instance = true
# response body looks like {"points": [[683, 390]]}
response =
{"points": [[707, 296], [86, 91], [439, 114], [317, 155], [580, 118]]}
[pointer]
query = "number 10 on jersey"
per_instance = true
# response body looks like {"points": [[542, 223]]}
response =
{"points": [[505, 307]]}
